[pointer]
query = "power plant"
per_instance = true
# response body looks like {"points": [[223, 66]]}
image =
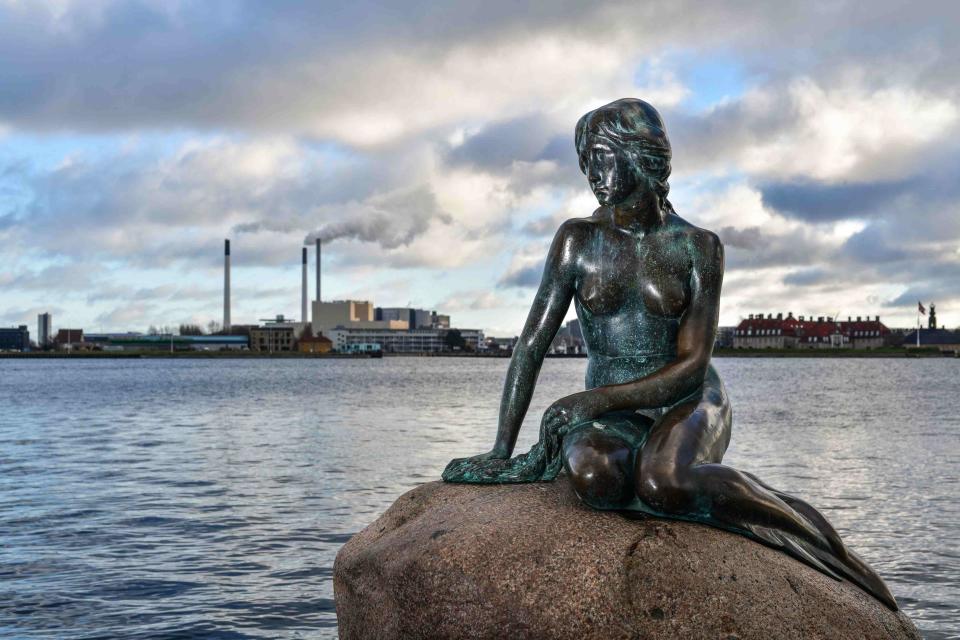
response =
{"points": [[304, 285], [303, 290], [226, 285]]}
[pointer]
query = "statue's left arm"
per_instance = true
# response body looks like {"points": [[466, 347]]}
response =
{"points": [[681, 377]]}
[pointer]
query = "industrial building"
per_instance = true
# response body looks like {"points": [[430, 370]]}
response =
{"points": [[15, 338], [401, 340], [349, 325], [357, 314], [415, 318], [759, 332]]}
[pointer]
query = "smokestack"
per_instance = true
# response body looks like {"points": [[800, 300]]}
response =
{"points": [[303, 290], [318, 269], [226, 285]]}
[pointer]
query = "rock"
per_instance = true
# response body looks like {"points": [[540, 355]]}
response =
{"points": [[530, 561]]}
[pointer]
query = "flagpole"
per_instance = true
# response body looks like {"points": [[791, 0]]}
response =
{"points": [[918, 327]]}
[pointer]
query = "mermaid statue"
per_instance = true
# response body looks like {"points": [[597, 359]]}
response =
{"points": [[649, 432]]}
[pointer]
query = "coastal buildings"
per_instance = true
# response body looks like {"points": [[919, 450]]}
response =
{"points": [[314, 344], [942, 339], [403, 340], [415, 318], [569, 340], [162, 342], [69, 338], [724, 337], [44, 329], [759, 332], [277, 334], [358, 314], [14, 338], [349, 324], [273, 338], [498, 344]]}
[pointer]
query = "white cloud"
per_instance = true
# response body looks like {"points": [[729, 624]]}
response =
{"points": [[847, 132]]}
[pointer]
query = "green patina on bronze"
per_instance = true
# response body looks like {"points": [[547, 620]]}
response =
{"points": [[649, 431]]}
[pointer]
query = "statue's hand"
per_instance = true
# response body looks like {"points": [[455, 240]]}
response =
{"points": [[460, 468], [568, 412]]}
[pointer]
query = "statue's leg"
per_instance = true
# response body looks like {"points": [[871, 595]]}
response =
{"points": [[599, 458], [678, 473]]}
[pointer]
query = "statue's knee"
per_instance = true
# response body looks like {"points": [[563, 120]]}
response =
{"points": [[666, 489], [600, 472]]}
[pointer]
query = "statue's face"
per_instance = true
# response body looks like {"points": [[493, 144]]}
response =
{"points": [[609, 173]]}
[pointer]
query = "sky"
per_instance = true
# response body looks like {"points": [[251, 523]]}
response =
{"points": [[431, 145]]}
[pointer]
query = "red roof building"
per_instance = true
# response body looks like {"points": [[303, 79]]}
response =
{"points": [[759, 332]]}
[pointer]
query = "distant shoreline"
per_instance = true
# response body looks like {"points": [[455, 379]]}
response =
{"points": [[931, 352]]}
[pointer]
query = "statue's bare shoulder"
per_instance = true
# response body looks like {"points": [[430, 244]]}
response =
{"points": [[704, 246]]}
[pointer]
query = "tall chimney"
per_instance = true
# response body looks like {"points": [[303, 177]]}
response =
{"points": [[226, 285], [303, 290], [318, 269]]}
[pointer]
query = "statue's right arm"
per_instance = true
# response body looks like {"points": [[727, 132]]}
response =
{"points": [[546, 315]]}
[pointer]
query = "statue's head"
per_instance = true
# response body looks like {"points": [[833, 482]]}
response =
{"points": [[623, 148]]}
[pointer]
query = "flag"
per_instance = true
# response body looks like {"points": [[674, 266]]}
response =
{"points": [[921, 309]]}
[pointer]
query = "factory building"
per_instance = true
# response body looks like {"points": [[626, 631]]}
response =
{"points": [[401, 340], [356, 314], [15, 338], [759, 332], [415, 318]]}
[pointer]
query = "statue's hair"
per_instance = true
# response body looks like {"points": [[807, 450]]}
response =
{"points": [[634, 127]]}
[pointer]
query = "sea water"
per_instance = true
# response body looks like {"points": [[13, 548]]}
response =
{"points": [[208, 498]]}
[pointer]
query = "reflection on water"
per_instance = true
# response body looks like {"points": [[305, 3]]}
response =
{"points": [[208, 498]]}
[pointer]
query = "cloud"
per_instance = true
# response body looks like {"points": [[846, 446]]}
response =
{"points": [[819, 202], [470, 300], [438, 140], [526, 267]]}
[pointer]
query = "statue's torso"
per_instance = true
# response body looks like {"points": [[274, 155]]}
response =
{"points": [[631, 291]]}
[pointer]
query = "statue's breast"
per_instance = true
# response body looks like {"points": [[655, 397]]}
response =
{"points": [[641, 275]]}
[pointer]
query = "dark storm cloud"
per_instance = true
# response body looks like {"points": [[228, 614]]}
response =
{"points": [[263, 65], [822, 202], [872, 246], [755, 248], [496, 146], [528, 277], [925, 293], [117, 65], [711, 138], [806, 277]]}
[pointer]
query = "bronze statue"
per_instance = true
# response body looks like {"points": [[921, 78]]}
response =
{"points": [[649, 432]]}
